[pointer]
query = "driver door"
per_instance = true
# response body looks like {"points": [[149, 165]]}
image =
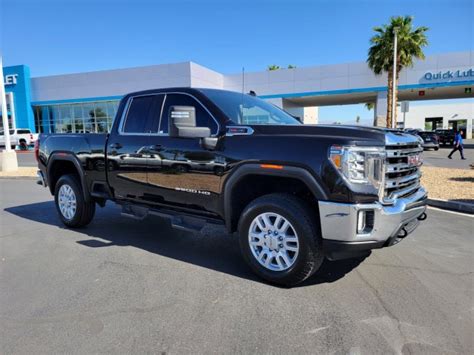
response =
{"points": [[189, 175]]}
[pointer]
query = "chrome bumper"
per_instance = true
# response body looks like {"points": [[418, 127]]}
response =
{"points": [[389, 224]]}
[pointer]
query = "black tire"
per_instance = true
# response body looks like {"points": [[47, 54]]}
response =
{"points": [[437, 148], [181, 169], [303, 220], [219, 170], [84, 210]]}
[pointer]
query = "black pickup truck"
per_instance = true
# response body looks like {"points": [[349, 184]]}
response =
{"points": [[294, 193]]}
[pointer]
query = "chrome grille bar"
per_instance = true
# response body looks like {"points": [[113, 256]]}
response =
{"points": [[403, 152], [405, 180], [402, 171]]}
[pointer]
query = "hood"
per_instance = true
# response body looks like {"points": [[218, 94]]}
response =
{"points": [[353, 133]]}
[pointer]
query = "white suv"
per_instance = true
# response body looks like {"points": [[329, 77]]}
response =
{"points": [[19, 136]]}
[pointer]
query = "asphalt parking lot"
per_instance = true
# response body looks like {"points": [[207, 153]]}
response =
{"points": [[123, 286], [440, 159]]}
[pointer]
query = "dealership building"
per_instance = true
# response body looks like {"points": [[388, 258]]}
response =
{"points": [[87, 102]]}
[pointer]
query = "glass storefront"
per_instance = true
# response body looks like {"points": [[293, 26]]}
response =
{"points": [[85, 117]]}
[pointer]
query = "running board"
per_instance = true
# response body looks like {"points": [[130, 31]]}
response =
{"points": [[177, 220]]}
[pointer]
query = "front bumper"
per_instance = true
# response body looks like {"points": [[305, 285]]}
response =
{"points": [[389, 224], [430, 145]]}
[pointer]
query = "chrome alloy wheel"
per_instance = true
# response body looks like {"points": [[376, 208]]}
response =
{"points": [[273, 241], [67, 201]]}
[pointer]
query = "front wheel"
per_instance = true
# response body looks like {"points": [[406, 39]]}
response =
{"points": [[72, 208], [280, 239]]}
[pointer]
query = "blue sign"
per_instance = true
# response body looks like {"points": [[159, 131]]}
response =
{"points": [[450, 75], [17, 81]]}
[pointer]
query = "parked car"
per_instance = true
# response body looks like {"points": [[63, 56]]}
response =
{"points": [[294, 193], [19, 136], [446, 136], [430, 140]]}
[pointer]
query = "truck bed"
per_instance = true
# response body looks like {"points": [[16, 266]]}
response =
{"points": [[87, 148]]}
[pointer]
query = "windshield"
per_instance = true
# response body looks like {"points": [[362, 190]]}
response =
{"points": [[12, 131], [248, 110]]}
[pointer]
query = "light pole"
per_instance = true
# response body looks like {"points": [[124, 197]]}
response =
{"points": [[394, 106], [6, 128], [8, 161]]}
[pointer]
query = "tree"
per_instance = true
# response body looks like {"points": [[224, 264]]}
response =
{"points": [[291, 66], [273, 67], [409, 46], [369, 106], [357, 119]]}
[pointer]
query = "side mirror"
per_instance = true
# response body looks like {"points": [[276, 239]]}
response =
{"points": [[182, 123]]}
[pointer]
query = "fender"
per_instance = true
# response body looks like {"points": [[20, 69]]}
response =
{"points": [[66, 156], [240, 172]]}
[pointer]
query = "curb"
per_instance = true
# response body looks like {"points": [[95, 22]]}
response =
{"points": [[457, 206], [18, 177]]}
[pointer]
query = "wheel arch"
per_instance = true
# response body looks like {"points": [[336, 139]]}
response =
{"points": [[60, 164], [231, 206]]}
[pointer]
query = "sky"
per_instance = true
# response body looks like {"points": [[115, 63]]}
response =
{"points": [[70, 36]]}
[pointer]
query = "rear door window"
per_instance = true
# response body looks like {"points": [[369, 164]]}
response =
{"points": [[139, 115]]}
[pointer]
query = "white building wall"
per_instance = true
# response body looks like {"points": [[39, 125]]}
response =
{"points": [[346, 76], [202, 77], [416, 116], [105, 83], [315, 80], [278, 85]]}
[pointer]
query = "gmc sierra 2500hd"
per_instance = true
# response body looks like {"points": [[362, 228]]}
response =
{"points": [[294, 193]]}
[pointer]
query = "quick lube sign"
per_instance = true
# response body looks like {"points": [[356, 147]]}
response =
{"points": [[450, 75]]}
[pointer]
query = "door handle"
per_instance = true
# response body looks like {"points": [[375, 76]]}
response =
{"points": [[115, 146]]}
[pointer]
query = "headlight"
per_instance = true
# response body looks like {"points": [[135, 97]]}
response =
{"points": [[360, 165]]}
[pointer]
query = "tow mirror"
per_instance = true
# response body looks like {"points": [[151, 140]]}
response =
{"points": [[182, 123]]}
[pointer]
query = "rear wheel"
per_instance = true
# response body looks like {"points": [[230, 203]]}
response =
{"points": [[72, 208], [180, 168], [280, 240]]}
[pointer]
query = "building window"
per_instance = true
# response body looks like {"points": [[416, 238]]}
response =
{"points": [[81, 117]]}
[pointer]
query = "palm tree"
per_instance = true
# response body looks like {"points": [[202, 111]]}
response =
{"points": [[409, 46], [273, 67]]}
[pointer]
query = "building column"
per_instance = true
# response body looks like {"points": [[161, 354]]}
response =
{"points": [[11, 105], [469, 128], [380, 111], [307, 114]]}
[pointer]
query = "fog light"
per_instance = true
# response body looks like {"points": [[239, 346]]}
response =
{"points": [[365, 221]]}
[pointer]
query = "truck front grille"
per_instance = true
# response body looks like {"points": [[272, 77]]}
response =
{"points": [[402, 174]]}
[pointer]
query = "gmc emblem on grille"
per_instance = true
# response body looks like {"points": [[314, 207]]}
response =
{"points": [[414, 160]]}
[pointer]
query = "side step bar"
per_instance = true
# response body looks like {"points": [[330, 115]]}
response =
{"points": [[177, 220]]}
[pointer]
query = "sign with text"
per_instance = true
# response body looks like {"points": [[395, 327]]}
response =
{"points": [[449, 75], [10, 79]]}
